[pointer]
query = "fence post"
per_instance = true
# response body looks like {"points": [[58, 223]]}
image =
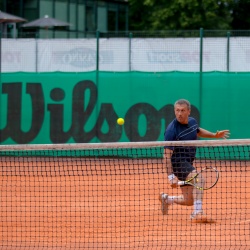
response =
{"points": [[36, 48], [130, 41], [97, 77], [228, 50], [97, 57], [0, 86], [97, 50], [201, 68], [0, 58]]}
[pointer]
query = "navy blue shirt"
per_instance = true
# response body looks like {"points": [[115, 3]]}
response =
{"points": [[182, 132]]}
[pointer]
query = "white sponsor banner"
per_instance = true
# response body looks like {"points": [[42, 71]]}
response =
{"points": [[169, 54], [18, 55], [239, 54], [72, 55], [214, 54], [79, 55], [114, 55], [123, 54]]}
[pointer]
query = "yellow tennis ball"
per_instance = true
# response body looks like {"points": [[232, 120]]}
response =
{"points": [[120, 121]]}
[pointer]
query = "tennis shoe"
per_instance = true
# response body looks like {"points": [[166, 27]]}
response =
{"points": [[164, 205], [198, 217]]}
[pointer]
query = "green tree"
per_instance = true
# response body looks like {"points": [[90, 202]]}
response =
{"points": [[180, 14], [241, 18]]}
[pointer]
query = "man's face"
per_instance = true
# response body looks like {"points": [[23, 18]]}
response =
{"points": [[181, 113]]}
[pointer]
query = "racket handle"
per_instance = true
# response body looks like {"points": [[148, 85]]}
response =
{"points": [[180, 183]]}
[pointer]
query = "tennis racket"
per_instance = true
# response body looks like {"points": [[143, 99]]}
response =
{"points": [[204, 179]]}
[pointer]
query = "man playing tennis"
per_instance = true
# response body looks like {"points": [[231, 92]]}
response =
{"points": [[179, 160]]}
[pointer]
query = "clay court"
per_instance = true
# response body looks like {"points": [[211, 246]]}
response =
{"points": [[88, 203]]}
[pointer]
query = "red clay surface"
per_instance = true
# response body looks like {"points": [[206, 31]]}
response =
{"points": [[74, 204]]}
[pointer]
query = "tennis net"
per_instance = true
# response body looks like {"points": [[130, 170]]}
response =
{"points": [[105, 196]]}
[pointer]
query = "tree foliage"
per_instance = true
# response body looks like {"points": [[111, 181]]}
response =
{"points": [[180, 14], [241, 17]]}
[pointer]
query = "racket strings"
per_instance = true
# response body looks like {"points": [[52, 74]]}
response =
{"points": [[207, 178], [200, 181]]}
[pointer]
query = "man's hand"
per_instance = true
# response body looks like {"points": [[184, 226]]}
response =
{"points": [[173, 181], [222, 134]]}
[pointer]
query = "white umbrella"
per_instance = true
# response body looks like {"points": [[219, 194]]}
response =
{"points": [[46, 22], [6, 18]]}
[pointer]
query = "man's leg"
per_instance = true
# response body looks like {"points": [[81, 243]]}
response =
{"points": [[190, 196], [185, 199], [197, 215]]}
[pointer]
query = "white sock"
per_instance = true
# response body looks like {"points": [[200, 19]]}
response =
{"points": [[198, 205]]}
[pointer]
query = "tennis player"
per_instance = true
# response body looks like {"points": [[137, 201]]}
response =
{"points": [[179, 160]]}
